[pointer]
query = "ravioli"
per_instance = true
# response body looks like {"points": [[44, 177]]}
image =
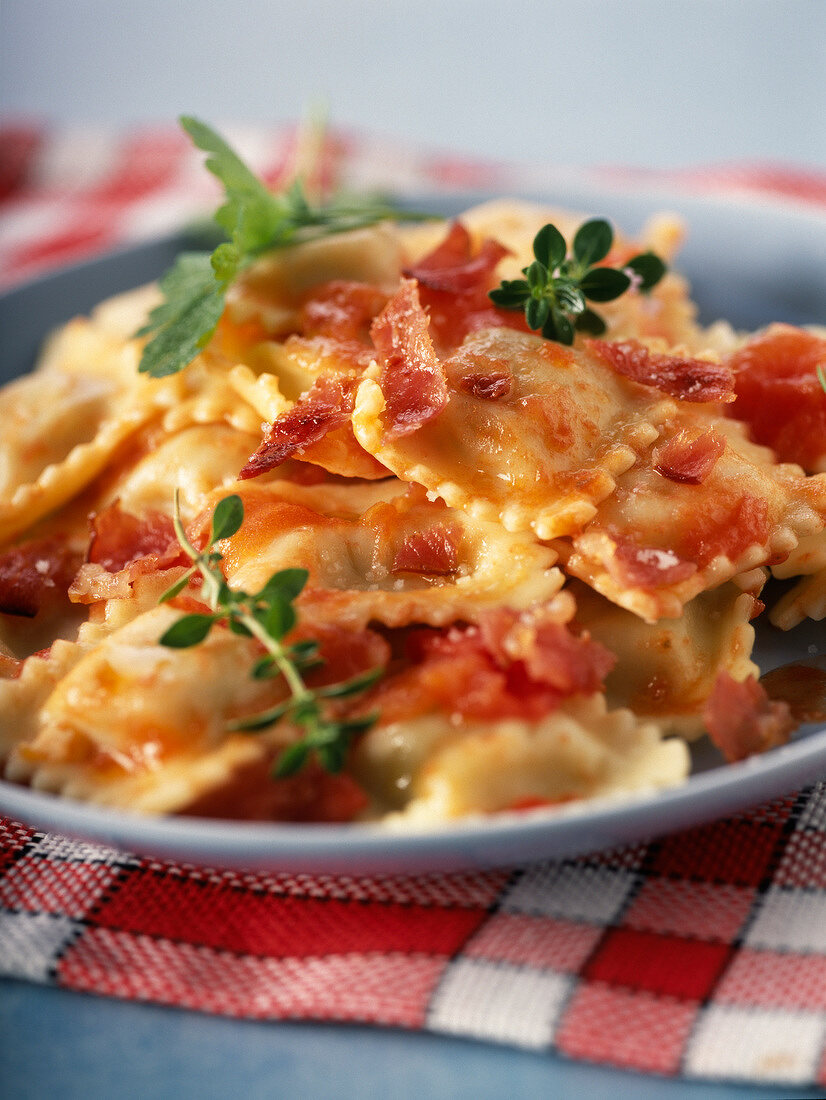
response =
{"points": [[541, 454], [659, 541], [533, 571]]}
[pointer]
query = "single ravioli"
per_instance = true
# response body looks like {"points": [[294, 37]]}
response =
{"points": [[402, 560], [135, 724], [666, 671], [533, 434], [659, 541], [431, 770]]}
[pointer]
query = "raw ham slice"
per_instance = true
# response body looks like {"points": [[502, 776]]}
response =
{"points": [[452, 267], [689, 458], [33, 572], [684, 378], [325, 407], [780, 396], [434, 552], [454, 284], [412, 378], [119, 539]]}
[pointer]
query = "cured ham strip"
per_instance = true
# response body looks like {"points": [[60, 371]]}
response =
{"points": [[647, 567], [434, 552], [742, 720], [680, 377], [325, 407], [119, 538], [689, 458], [412, 378], [452, 267], [33, 572], [488, 387], [454, 284]]}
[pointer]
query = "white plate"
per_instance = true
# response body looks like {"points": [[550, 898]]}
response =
{"points": [[751, 261]]}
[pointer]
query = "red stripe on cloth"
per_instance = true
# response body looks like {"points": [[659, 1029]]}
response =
{"points": [[774, 978], [145, 163], [91, 232], [627, 1028], [265, 925], [39, 885], [669, 965], [732, 851], [381, 989]]}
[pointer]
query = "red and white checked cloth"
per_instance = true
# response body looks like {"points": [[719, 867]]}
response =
{"points": [[701, 954]]}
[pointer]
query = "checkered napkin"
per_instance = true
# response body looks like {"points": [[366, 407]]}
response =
{"points": [[701, 954]]}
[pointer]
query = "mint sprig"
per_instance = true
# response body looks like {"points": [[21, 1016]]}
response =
{"points": [[268, 615], [255, 220], [557, 287]]}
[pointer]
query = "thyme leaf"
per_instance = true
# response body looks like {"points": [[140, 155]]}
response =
{"points": [[268, 616], [558, 284]]}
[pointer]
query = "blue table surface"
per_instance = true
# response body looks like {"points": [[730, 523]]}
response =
{"points": [[56, 1043]]}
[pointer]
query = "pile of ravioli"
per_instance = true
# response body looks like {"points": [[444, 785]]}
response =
{"points": [[555, 554]]}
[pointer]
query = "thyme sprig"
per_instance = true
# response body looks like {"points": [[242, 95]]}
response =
{"points": [[268, 616], [255, 220], [557, 287]]}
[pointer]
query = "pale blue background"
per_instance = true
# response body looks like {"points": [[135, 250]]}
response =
{"points": [[647, 82], [655, 83]]}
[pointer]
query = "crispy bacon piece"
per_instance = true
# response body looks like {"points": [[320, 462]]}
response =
{"points": [[342, 310], [742, 720], [454, 285], [452, 267], [323, 408], [412, 379], [433, 552], [34, 573], [779, 395], [119, 539], [684, 378], [688, 458], [646, 566]]}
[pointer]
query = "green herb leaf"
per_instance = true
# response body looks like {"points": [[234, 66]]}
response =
{"points": [[287, 583], [510, 294], [184, 322], [536, 312], [592, 242], [227, 518], [649, 269], [268, 616], [590, 322], [556, 287], [255, 220], [188, 631], [292, 760], [604, 284], [549, 247], [356, 686]]}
